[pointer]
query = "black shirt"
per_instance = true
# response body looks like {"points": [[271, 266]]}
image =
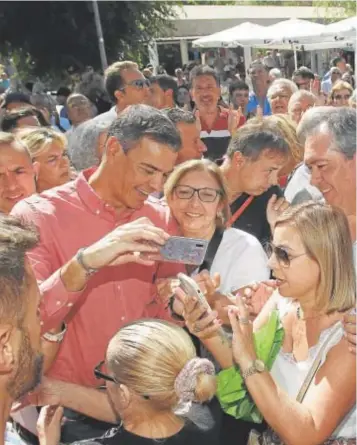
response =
{"points": [[254, 220], [209, 415]]}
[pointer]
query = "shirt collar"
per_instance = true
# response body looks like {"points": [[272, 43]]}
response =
{"points": [[93, 201]]}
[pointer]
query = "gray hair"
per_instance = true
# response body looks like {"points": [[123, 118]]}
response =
{"points": [[139, 121], [299, 95], [275, 72], [340, 123], [83, 143], [281, 83]]}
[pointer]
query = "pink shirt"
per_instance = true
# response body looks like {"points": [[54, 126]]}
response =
{"points": [[68, 218]]}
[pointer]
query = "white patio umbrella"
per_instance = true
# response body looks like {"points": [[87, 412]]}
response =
{"points": [[231, 37], [343, 29]]}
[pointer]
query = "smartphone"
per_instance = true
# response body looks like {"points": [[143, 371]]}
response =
{"points": [[182, 250], [191, 288]]}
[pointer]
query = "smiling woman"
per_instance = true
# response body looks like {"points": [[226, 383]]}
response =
{"points": [[48, 148]]}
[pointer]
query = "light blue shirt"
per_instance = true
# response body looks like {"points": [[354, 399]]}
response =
{"points": [[253, 103]]}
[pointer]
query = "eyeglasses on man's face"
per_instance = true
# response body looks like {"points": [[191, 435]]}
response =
{"points": [[205, 194]]}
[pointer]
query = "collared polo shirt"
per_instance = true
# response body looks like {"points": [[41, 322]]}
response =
{"points": [[253, 103]]}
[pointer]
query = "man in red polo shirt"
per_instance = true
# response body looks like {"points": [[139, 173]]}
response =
{"points": [[217, 123]]}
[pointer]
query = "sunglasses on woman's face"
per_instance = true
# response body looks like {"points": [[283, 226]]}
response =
{"points": [[340, 97], [282, 255]]}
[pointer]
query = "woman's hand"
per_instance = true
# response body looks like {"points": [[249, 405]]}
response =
{"points": [[200, 322], [243, 342], [208, 284], [166, 288], [49, 425], [276, 206], [255, 295]]}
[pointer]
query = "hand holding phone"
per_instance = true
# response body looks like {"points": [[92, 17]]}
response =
{"points": [[178, 249]]}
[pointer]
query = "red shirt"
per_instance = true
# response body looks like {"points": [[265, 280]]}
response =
{"points": [[68, 218]]}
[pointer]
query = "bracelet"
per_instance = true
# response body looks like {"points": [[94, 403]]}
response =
{"points": [[88, 270], [55, 338], [173, 314]]}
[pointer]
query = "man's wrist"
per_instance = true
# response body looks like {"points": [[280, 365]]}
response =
{"points": [[73, 276]]}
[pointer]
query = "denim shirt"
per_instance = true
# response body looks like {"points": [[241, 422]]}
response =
{"points": [[253, 103]]}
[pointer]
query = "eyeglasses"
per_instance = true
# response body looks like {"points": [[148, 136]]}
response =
{"points": [[205, 194], [283, 257], [340, 97], [100, 375], [138, 83]]}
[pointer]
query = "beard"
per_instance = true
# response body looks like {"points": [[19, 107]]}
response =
{"points": [[28, 372]]}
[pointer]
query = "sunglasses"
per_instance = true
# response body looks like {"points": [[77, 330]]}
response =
{"points": [[100, 375], [340, 97], [282, 255], [205, 194], [138, 83]]}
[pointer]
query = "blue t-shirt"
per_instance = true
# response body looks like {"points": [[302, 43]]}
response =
{"points": [[253, 103]]}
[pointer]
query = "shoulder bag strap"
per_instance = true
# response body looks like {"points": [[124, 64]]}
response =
{"points": [[238, 213], [315, 366], [212, 249]]}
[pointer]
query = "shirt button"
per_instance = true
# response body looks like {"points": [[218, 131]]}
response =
{"points": [[58, 303], [122, 318], [97, 212], [69, 304], [41, 323]]}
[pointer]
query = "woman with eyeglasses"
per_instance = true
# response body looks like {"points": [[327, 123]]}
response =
{"points": [[340, 94], [198, 199], [48, 148], [159, 391], [309, 394]]}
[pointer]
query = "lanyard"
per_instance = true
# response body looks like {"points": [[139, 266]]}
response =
{"points": [[239, 212]]}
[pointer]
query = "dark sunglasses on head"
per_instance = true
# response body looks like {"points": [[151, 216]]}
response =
{"points": [[138, 83], [282, 255]]}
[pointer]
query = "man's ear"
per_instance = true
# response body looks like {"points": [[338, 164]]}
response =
{"points": [[238, 159], [7, 357], [113, 148], [118, 94], [36, 168]]}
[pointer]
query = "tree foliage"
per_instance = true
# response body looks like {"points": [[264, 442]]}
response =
{"points": [[58, 34]]}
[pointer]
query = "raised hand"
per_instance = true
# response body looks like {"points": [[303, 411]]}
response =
{"points": [[233, 119], [276, 206], [49, 425]]}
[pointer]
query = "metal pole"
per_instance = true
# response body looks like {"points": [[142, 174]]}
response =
{"points": [[98, 25]]}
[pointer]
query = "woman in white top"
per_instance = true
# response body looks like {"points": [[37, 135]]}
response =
{"points": [[197, 196], [312, 261]]}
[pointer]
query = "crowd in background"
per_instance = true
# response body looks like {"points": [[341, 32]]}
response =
{"points": [[93, 183]]}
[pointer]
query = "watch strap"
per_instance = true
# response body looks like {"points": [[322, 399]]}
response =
{"points": [[79, 257], [55, 338]]}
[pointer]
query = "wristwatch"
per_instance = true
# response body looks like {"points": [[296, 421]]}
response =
{"points": [[88, 270], [257, 366], [55, 338]]}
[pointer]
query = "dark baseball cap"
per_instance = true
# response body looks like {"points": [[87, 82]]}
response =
{"points": [[63, 91], [12, 98]]}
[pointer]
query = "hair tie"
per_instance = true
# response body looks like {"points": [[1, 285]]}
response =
{"points": [[186, 381]]}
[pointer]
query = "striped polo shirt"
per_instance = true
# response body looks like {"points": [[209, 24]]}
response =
{"points": [[218, 137]]}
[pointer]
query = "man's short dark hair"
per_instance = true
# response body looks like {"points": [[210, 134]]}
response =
{"points": [[336, 60], [16, 239], [203, 70], [256, 136], [304, 72], [166, 82], [139, 121], [11, 118], [237, 85], [178, 116], [113, 77]]}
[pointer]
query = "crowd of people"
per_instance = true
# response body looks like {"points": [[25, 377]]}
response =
{"points": [[99, 342]]}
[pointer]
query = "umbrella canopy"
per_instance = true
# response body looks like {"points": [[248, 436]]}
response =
{"points": [[343, 28], [230, 37]]}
